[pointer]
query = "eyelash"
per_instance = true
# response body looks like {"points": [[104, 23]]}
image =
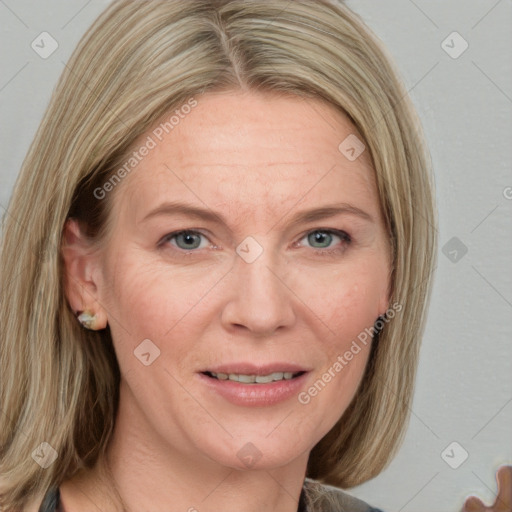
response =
{"points": [[345, 237]]}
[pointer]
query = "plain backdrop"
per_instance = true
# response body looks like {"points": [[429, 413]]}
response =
{"points": [[464, 98]]}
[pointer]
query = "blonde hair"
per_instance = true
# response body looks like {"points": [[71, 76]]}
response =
{"points": [[139, 60]]}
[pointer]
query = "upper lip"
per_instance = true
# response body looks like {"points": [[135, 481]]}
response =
{"points": [[255, 369]]}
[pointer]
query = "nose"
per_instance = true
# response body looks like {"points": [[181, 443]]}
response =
{"points": [[261, 301]]}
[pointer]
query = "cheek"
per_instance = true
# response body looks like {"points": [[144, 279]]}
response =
{"points": [[347, 302], [146, 300], [347, 299]]}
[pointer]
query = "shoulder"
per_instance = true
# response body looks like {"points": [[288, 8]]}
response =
{"points": [[325, 498], [47, 503]]}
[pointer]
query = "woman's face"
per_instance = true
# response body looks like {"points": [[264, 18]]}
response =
{"points": [[256, 287]]}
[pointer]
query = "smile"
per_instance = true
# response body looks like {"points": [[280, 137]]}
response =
{"points": [[258, 387], [254, 379]]}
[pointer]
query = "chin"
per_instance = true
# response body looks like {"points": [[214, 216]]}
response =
{"points": [[257, 453]]}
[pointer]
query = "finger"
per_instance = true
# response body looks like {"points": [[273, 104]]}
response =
{"points": [[504, 499], [473, 504]]}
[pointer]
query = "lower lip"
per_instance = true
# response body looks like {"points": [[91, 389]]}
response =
{"points": [[256, 395]]}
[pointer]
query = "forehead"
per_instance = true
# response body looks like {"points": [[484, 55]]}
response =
{"points": [[241, 151]]}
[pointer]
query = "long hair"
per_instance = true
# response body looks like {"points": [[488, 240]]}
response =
{"points": [[138, 61]]}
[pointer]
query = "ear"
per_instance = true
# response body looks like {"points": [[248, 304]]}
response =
{"points": [[81, 284]]}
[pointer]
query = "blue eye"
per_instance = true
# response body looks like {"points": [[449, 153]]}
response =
{"points": [[325, 237], [186, 239], [321, 239]]}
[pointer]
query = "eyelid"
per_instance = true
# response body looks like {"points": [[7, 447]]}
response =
{"points": [[193, 231], [342, 234], [338, 232]]}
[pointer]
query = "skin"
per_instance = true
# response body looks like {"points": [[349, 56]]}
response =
{"points": [[256, 159]]}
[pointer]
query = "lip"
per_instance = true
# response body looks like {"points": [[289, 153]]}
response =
{"points": [[255, 395], [247, 368]]}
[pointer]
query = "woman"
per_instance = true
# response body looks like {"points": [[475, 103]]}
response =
{"points": [[216, 267]]}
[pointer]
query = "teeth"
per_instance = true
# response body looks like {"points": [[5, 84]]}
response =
{"points": [[263, 379], [254, 379], [246, 379]]}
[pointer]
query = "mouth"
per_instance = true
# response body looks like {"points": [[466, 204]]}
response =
{"points": [[253, 378], [249, 384]]}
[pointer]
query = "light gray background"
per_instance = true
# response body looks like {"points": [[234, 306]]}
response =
{"points": [[464, 386]]}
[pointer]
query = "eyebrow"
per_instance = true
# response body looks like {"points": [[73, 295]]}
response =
{"points": [[311, 215]]}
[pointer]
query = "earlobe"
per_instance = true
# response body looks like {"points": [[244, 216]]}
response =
{"points": [[79, 285], [88, 320], [384, 306]]}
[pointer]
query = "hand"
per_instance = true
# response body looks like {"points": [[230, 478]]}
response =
{"points": [[503, 501]]}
